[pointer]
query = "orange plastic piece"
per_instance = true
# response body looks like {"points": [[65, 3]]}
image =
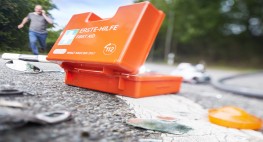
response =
{"points": [[105, 54], [234, 117]]}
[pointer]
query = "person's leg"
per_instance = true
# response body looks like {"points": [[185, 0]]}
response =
{"points": [[33, 42], [42, 40]]}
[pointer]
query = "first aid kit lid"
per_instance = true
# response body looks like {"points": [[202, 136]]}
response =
{"points": [[121, 43]]}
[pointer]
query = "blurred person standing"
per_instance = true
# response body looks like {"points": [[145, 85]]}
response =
{"points": [[37, 28]]}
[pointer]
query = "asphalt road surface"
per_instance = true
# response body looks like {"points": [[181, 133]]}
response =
{"points": [[98, 116]]}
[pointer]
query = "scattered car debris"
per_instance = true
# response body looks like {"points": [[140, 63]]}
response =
{"points": [[13, 92], [234, 117], [27, 67], [11, 118], [192, 74], [53, 117], [23, 66], [167, 118], [5, 103], [8, 92], [159, 125], [91, 135], [144, 69]]}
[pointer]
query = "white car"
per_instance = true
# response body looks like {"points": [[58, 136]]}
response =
{"points": [[192, 74]]}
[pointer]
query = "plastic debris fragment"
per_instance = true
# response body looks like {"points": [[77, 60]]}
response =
{"points": [[160, 125], [11, 118], [234, 117], [26, 67], [5, 103], [168, 118], [7, 92], [53, 117], [23, 66]]}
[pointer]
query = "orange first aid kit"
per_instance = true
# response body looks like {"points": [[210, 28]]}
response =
{"points": [[106, 54]]}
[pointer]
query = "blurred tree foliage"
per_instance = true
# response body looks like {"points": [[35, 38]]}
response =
{"points": [[218, 31], [12, 13]]}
